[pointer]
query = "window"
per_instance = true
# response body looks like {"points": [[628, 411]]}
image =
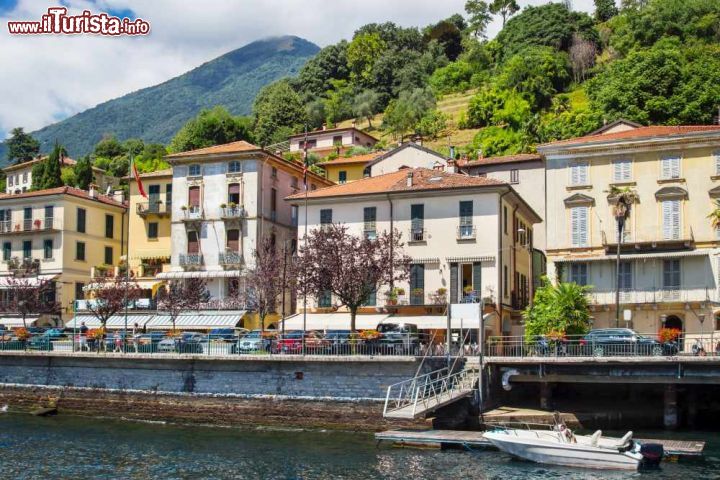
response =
{"points": [[234, 167], [342, 176], [109, 256], [579, 174], [47, 248], [168, 196], [716, 156], [273, 204], [193, 243], [152, 230], [466, 219], [308, 144], [325, 216], [233, 239], [294, 182], [417, 222], [154, 198], [505, 219], [10, 180], [579, 273], [194, 199], [505, 281], [514, 176], [80, 251], [325, 299], [626, 229], [27, 248], [27, 218], [109, 226], [670, 167], [671, 274], [370, 219], [234, 193], [371, 300], [622, 170], [671, 219], [49, 214], [274, 172], [625, 278], [417, 284], [579, 226], [7, 251], [79, 290], [81, 215], [294, 215], [25, 177], [337, 140], [194, 171]]}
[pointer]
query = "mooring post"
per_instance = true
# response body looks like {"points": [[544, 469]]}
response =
{"points": [[545, 396], [670, 408]]}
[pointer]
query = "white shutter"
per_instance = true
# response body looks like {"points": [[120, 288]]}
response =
{"points": [[621, 170], [671, 219], [579, 174], [716, 155], [670, 167], [579, 226], [574, 172]]}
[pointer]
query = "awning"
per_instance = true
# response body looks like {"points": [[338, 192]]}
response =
{"points": [[117, 322], [426, 261], [333, 321], [483, 258], [149, 284], [198, 274], [196, 321], [13, 322], [634, 256], [32, 281], [439, 322], [77, 321]]}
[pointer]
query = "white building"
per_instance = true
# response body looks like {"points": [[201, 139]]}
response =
{"points": [[19, 177], [226, 200], [470, 236], [328, 140]]}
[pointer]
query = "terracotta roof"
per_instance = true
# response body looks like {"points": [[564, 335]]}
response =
{"points": [[331, 130], [66, 161], [166, 172], [233, 147], [75, 192], [423, 179], [521, 157], [642, 132], [364, 158]]}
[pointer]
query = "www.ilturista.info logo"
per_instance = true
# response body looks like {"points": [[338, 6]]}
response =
{"points": [[58, 21]]}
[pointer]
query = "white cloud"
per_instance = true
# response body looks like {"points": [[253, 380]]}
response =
{"points": [[47, 78]]}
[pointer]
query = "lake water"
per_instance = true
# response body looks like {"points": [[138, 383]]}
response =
{"points": [[80, 448]]}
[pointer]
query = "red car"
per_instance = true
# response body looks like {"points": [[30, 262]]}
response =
{"points": [[292, 343]]}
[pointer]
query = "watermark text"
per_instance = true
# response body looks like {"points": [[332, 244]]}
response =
{"points": [[57, 21]]}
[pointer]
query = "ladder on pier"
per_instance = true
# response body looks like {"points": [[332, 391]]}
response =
{"points": [[414, 398]]}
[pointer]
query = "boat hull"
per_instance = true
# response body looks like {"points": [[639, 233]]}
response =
{"points": [[565, 454]]}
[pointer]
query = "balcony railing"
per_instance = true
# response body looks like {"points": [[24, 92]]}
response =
{"points": [[652, 238], [191, 259], [681, 294], [193, 213], [370, 230], [229, 213], [153, 208], [230, 258], [417, 235], [466, 232], [42, 224]]}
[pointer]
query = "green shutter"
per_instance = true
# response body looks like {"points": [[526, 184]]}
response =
{"points": [[453, 283], [477, 277]]}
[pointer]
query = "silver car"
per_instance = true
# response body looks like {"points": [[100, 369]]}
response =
{"points": [[253, 342]]}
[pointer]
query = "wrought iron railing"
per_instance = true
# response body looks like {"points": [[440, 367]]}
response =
{"points": [[230, 258], [466, 232], [191, 259]]}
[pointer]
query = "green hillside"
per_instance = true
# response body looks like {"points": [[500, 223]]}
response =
{"points": [[155, 114]]}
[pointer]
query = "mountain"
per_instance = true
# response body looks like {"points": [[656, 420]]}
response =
{"points": [[156, 113]]}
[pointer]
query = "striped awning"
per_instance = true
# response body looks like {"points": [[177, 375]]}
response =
{"points": [[427, 260], [198, 274], [90, 321], [484, 258], [634, 256], [116, 322], [13, 322], [332, 321], [196, 321], [5, 282]]}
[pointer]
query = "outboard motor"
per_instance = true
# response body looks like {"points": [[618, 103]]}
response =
{"points": [[652, 454]]}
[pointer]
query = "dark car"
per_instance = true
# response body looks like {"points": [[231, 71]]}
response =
{"points": [[228, 334], [43, 340], [624, 341], [398, 338], [340, 341], [187, 342]]}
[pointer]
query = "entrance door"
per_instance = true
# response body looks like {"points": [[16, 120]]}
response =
{"points": [[154, 198]]}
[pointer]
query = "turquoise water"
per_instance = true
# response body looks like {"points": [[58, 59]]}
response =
{"points": [[79, 448]]}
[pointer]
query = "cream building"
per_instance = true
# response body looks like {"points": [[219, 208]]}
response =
{"points": [[467, 235], [329, 140], [19, 177], [61, 234], [669, 269]]}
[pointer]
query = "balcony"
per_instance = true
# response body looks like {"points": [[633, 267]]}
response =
{"points": [[228, 259], [192, 215], [519, 300], [23, 268], [466, 232], [232, 213], [649, 240], [653, 295], [417, 235], [158, 208], [370, 230], [29, 225], [191, 259]]}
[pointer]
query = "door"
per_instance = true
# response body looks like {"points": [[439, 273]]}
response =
{"points": [[154, 198], [194, 199]]}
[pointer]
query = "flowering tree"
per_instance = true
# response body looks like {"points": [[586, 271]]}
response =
{"points": [[182, 295], [270, 278], [350, 267], [31, 295], [110, 295]]}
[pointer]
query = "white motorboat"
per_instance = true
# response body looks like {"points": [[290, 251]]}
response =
{"points": [[560, 446]]}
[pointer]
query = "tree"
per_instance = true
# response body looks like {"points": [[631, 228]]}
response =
{"points": [[48, 173], [453, 77], [182, 295], [268, 279], [210, 127], [582, 57], [404, 113], [432, 124], [83, 173], [338, 104], [278, 112], [605, 10], [21, 146], [30, 295], [478, 17], [622, 199], [350, 267], [330, 63], [365, 105], [315, 113], [506, 9], [560, 310], [362, 53], [714, 215], [109, 147], [448, 35], [110, 295]]}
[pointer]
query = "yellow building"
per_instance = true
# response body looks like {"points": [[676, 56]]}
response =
{"points": [[149, 248], [348, 169], [59, 235]]}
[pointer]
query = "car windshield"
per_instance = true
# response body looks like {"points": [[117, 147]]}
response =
{"points": [[292, 336], [254, 334]]}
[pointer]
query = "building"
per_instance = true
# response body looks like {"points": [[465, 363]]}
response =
{"points": [[61, 234], [19, 177], [469, 237], [149, 227], [668, 274], [406, 155], [331, 140], [227, 199]]}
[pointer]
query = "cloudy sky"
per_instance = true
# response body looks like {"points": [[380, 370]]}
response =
{"points": [[46, 78]]}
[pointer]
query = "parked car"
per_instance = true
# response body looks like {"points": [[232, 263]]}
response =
{"points": [[43, 340], [187, 342], [227, 334], [398, 338], [291, 342], [147, 342], [624, 341], [255, 341], [339, 340]]}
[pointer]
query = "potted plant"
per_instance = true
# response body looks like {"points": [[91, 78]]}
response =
{"points": [[400, 291], [37, 224], [391, 296], [439, 297], [184, 208], [223, 206]]}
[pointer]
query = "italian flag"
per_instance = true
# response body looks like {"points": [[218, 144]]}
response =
{"points": [[137, 179]]}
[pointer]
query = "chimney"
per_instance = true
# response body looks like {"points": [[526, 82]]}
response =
{"points": [[118, 196], [452, 152], [324, 127], [92, 190], [353, 124], [480, 154], [451, 166], [410, 178]]}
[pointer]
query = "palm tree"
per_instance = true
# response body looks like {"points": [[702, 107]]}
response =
{"points": [[623, 199], [715, 215]]}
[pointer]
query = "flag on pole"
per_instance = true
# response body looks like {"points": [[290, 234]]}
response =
{"points": [[135, 174], [305, 160]]}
